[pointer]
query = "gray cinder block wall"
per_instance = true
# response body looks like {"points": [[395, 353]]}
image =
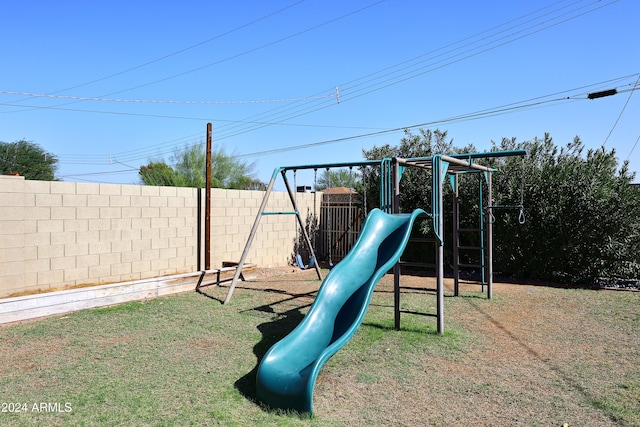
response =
{"points": [[61, 235]]}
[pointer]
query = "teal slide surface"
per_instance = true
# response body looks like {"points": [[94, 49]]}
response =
{"points": [[287, 373]]}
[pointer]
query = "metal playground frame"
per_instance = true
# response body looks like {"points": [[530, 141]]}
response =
{"points": [[391, 170]]}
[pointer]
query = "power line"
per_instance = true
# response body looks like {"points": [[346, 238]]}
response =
{"points": [[291, 36], [402, 72], [165, 101], [160, 116], [255, 49], [492, 112], [475, 51], [309, 105], [193, 46], [633, 148], [579, 93], [384, 78], [624, 107]]}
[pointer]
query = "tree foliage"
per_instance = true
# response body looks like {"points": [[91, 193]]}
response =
{"points": [[189, 167], [27, 159], [341, 177], [582, 211]]}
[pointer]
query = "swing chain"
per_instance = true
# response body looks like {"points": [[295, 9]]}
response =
{"points": [[316, 220], [295, 201], [364, 190], [521, 218]]}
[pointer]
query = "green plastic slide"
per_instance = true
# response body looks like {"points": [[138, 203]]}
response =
{"points": [[287, 373]]}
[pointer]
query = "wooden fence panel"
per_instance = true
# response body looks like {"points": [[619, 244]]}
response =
{"points": [[340, 225]]}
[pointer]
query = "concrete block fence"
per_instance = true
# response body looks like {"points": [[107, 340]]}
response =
{"points": [[65, 235]]}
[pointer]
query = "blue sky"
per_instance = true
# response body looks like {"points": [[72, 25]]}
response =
{"points": [[279, 75]]}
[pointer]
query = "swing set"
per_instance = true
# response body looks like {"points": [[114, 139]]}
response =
{"points": [[390, 171], [331, 212]]}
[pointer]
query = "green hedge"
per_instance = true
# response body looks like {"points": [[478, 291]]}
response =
{"points": [[582, 211]]}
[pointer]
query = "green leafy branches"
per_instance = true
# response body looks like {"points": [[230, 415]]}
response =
{"points": [[188, 170], [27, 159]]}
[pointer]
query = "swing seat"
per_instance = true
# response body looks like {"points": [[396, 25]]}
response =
{"points": [[300, 263]]}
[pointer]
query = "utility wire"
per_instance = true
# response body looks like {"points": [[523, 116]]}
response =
{"points": [[160, 101], [300, 108], [247, 52], [153, 61], [624, 107], [492, 112], [633, 148], [505, 109], [389, 78], [309, 106], [578, 93], [299, 33]]}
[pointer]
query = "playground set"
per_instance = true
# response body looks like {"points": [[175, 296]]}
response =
{"points": [[287, 373]]}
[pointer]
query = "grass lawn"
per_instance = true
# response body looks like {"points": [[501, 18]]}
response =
{"points": [[533, 355]]}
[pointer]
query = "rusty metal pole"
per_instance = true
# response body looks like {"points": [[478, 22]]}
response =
{"points": [[489, 242], [207, 204]]}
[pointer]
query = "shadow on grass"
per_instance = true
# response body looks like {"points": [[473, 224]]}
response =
{"points": [[272, 332], [210, 291], [413, 329], [210, 296]]}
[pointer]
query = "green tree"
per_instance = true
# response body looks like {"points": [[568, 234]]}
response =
{"points": [[188, 167], [159, 174], [27, 159], [583, 213], [189, 164], [416, 188], [342, 177], [416, 184]]}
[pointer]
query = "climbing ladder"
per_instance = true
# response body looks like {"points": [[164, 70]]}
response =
{"points": [[484, 246]]}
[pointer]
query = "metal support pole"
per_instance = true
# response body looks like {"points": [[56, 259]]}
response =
{"points": [[386, 184], [396, 268], [437, 183], [489, 243], [300, 222], [252, 234], [456, 236]]}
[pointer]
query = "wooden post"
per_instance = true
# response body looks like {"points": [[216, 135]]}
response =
{"points": [[207, 204]]}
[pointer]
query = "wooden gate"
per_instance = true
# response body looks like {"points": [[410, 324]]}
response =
{"points": [[341, 219]]}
